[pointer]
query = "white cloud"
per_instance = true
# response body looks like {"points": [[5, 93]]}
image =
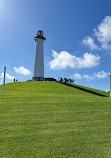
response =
{"points": [[89, 41], [76, 76], [98, 75], [22, 70], [64, 59], [8, 77], [102, 34], [88, 77], [101, 74]]}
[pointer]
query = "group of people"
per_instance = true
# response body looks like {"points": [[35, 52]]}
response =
{"points": [[15, 80]]}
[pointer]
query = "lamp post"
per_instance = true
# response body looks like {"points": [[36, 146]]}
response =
{"points": [[110, 85], [4, 79]]}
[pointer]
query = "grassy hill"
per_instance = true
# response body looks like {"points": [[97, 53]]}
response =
{"points": [[52, 120], [89, 90]]}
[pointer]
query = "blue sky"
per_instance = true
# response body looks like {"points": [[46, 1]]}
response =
{"points": [[78, 39]]}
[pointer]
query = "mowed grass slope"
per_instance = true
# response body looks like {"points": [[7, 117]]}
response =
{"points": [[51, 120]]}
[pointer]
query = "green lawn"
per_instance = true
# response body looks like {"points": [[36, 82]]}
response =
{"points": [[52, 120]]}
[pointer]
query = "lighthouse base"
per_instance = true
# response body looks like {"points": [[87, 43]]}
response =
{"points": [[37, 79]]}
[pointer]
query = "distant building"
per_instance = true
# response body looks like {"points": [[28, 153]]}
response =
{"points": [[50, 79]]}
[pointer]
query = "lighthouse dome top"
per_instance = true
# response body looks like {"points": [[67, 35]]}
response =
{"points": [[40, 32], [39, 35]]}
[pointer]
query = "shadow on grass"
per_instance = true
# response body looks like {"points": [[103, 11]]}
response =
{"points": [[84, 89]]}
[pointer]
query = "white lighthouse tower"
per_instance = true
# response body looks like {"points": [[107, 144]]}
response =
{"points": [[39, 57]]}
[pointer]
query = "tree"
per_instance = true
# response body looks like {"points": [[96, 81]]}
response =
{"points": [[65, 79], [71, 80], [61, 80]]}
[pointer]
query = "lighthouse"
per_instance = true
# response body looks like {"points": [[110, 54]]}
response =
{"points": [[38, 74]]}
